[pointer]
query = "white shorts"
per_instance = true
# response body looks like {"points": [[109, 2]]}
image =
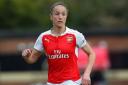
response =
{"points": [[68, 82]]}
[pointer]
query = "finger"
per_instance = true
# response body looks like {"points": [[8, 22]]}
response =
{"points": [[25, 52], [86, 82], [89, 82], [28, 50]]}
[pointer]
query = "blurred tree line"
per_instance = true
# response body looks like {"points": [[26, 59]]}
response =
{"points": [[31, 14]]}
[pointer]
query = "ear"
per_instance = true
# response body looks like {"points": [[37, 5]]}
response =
{"points": [[50, 17]]}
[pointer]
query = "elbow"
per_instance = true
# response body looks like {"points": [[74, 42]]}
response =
{"points": [[93, 55]]}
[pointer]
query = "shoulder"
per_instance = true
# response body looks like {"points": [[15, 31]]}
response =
{"points": [[73, 31]]}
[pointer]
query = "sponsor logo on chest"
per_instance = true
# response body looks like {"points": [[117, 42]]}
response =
{"points": [[58, 55]]}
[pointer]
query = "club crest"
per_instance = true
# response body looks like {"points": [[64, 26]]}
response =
{"points": [[70, 39], [46, 39]]}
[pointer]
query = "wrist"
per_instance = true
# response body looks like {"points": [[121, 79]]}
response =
{"points": [[86, 74]]}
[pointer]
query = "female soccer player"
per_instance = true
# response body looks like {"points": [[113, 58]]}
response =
{"points": [[60, 45]]}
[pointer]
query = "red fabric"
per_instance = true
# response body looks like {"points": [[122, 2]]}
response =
{"points": [[102, 58], [62, 61]]}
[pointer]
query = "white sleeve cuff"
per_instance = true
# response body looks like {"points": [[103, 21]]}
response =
{"points": [[83, 44]]}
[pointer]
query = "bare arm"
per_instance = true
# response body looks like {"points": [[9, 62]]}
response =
{"points": [[86, 76], [31, 55]]}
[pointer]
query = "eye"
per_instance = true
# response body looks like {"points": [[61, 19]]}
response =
{"points": [[56, 13], [64, 14], [59, 13]]}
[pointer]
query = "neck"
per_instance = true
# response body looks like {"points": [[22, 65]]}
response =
{"points": [[58, 30]]}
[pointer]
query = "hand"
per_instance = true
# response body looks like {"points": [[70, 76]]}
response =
{"points": [[26, 53], [86, 80]]}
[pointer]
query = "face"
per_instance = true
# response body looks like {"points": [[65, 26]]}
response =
{"points": [[59, 16]]}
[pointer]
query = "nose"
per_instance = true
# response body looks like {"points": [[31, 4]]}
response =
{"points": [[60, 16]]}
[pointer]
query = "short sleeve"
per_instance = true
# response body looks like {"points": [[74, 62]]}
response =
{"points": [[39, 44], [80, 39]]}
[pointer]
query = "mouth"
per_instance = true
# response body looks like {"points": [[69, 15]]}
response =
{"points": [[60, 21]]}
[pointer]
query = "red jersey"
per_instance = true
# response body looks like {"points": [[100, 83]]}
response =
{"points": [[61, 52]]}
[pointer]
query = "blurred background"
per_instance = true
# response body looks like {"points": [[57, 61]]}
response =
{"points": [[103, 22]]}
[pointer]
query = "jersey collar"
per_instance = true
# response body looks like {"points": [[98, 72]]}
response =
{"points": [[66, 31]]}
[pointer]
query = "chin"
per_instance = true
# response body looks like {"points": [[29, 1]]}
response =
{"points": [[60, 26]]}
